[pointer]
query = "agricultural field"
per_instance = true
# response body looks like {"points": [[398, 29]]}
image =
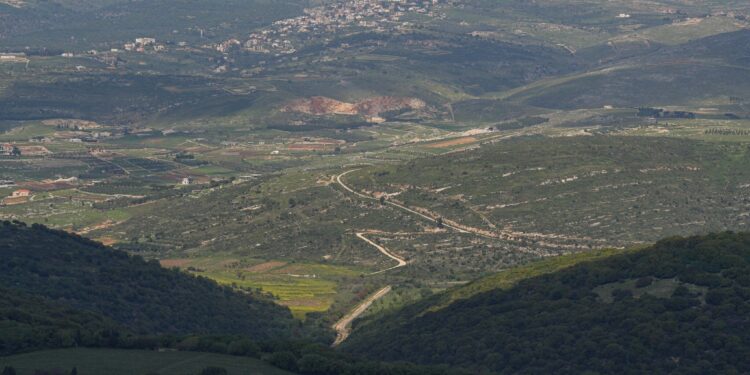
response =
{"points": [[304, 288]]}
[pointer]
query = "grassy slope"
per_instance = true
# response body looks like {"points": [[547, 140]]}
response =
{"points": [[128, 362], [695, 73], [509, 278]]}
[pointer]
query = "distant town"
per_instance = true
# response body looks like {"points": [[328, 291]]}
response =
{"points": [[375, 15]]}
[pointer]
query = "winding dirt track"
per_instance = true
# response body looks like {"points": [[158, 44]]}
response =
{"points": [[502, 234], [347, 188], [343, 326], [386, 252]]}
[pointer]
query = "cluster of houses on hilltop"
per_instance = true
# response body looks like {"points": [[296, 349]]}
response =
{"points": [[326, 19], [144, 44]]}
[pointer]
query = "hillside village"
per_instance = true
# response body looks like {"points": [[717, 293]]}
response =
{"points": [[284, 36]]}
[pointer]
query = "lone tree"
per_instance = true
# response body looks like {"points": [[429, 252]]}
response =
{"points": [[439, 222]]}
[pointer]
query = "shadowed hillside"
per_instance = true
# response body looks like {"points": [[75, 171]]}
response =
{"points": [[678, 306], [143, 296]]}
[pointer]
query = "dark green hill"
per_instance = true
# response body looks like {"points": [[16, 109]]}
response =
{"points": [[28, 323], [680, 306], [71, 271], [129, 362]]}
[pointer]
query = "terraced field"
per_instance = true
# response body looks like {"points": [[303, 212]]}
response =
{"points": [[304, 288]]}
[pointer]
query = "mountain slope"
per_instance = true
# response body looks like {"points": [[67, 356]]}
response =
{"points": [[706, 70], [75, 272], [678, 306], [83, 24], [622, 190], [28, 323]]}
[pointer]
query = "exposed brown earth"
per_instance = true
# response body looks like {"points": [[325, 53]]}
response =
{"points": [[103, 225], [453, 142], [34, 150], [320, 105], [169, 263], [9, 201], [107, 241], [343, 326]]}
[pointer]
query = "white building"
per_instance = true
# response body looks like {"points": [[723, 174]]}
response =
{"points": [[145, 41]]}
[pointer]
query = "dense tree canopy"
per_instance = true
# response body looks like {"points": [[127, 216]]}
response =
{"points": [[71, 271], [680, 306]]}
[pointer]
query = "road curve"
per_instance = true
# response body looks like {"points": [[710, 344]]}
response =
{"points": [[347, 188], [386, 252], [343, 326]]}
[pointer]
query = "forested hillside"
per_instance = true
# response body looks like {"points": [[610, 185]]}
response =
{"points": [[28, 323], [75, 272], [680, 306]]}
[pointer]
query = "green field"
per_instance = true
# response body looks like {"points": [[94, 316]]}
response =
{"points": [[133, 362], [303, 287]]}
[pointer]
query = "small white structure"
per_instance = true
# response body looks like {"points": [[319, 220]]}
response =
{"points": [[186, 181], [623, 15], [145, 41]]}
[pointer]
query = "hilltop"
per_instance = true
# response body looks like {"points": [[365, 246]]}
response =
{"points": [[677, 306]]}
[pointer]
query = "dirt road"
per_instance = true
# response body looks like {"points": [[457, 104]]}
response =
{"points": [[496, 234], [347, 188], [386, 252], [343, 326]]}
